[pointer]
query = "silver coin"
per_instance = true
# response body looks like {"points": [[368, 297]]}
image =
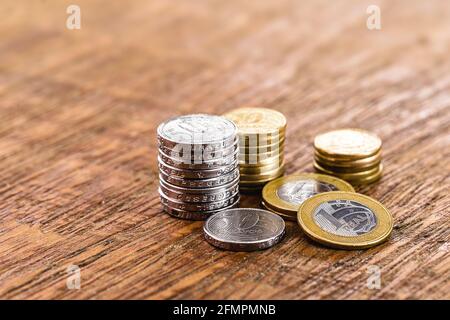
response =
{"points": [[189, 163], [200, 152], [197, 129], [201, 195], [199, 207], [196, 174], [244, 229], [200, 183], [192, 215]]}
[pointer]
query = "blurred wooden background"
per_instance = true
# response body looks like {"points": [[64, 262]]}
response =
{"points": [[79, 110]]}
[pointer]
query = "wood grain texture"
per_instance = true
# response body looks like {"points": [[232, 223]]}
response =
{"points": [[79, 111]]}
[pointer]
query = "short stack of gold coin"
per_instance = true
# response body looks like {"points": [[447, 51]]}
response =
{"points": [[353, 155], [261, 134]]}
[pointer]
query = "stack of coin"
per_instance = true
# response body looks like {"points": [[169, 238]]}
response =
{"points": [[284, 195], [261, 143], [198, 162], [353, 155]]}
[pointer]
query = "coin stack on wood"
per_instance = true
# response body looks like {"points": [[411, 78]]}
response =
{"points": [[261, 134], [353, 155], [198, 163], [284, 195]]}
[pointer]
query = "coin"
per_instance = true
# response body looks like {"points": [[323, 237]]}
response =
{"points": [[244, 229], [197, 129], [347, 143], [348, 176], [199, 152], [200, 183], [195, 174], [368, 179], [342, 163], [281, 214], [286, 194], [187, 162], [199, 195], [261, 177], [345, 220], [256, 121], [193, 215], [197, 206], [349, 169]]}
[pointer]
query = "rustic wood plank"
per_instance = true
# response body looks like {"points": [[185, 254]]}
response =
{"points": [[79, 110]]}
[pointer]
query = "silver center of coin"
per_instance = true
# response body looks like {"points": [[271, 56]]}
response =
{"points": [[244, 225], [298, 191], [345, 218], [198, 129]]}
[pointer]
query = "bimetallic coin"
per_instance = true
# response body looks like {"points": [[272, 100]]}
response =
{"points": [[286, 194], [188, 163], [345, 220], [281, 214], [195, 174], [197, 129], [244, 229], [199, 206], [254, 121], [348, 143], [199, 195], [193, 215], [200, 183]]}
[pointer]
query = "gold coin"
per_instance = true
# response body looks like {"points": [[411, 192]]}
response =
{"points": [[335, 162], [261, 177], [367, 180], [261, 140], [263, 151], [256, 121], [281, 214], [254, 162], [345, 220], [286, 194], [347, 176], [348, 143], [348, 170]]}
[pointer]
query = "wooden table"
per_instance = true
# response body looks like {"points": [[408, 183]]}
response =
{"points": [[79, 110]]}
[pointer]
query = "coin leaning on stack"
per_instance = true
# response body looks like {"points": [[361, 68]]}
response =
{"points": [[261, 134], [198, 165], [353, 155]]}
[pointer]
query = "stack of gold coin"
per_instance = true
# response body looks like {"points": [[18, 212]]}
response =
{"points": [[353, 155], [261, 134]]}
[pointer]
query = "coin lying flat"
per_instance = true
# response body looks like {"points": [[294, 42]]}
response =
{"points": [[286, 194], [348, 143], [281, 214], [257, 121], [244, 229], [345, 220], [195, 215], [197, 129]]}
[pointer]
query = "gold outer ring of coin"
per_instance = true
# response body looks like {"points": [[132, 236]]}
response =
{"points": [[254, 121], [347, 170], [342, 144], [379, 234], [349, 176], [271, 199], [281, 214], [335, 162]]}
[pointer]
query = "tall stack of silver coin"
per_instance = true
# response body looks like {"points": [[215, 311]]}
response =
{"points": [[198, 165]]}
